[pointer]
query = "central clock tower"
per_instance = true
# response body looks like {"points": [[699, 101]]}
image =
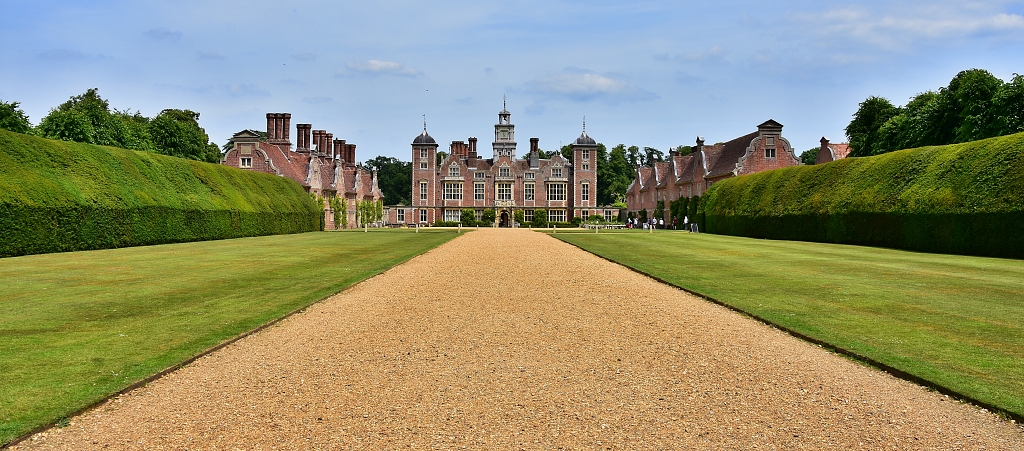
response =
{"points": [[504, 135]]}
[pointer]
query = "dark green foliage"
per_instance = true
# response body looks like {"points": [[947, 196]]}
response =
{"points": [[13, 118], [863, 129], [394, 177], [659, 210], [519, 217], [975, 105], [468, 217], [643, 216], [540, 218], [576, 221], [614, 176], [441, 223], [177, 133], [810, 156], [489, 216], [59, 196], [963, 199]]}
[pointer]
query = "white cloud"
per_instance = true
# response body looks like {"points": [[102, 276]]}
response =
{"points": [[894, 31], [162, 34], [378, 67], [580, 85]]}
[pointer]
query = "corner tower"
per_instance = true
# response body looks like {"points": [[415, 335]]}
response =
{"points": [[504, 135], [584, 173], [424, 176]]}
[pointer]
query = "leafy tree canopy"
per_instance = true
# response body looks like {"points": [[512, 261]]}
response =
{"points": [[810, 156], [394, 177], [13, 118], [177, 133]]}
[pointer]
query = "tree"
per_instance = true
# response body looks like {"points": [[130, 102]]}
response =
{"points": [[489, 216], [634, 157], [13, 118], [519, 216], [177, 133], [653, 155], [970, 94], [540, 218], [869, 118], [441, 155], [614, 176], [394, 177], [810, 156], [468, 217], [1009, 106], [566, 152]]}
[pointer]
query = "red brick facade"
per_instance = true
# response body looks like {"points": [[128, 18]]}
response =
{"points": [[832, 152], [505, 183], [691, 175], [321, 164]]}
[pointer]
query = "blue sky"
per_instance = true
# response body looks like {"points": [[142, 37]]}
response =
{"points": [[643, 73]]}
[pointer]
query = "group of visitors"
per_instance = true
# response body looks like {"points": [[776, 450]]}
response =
{"points": [[636, 223]]}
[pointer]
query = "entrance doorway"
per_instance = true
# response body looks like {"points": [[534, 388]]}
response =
{"points": [[505, 220]]}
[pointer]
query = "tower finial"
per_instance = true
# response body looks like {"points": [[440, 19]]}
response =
{"points": [[584, 124], [424, 122]]}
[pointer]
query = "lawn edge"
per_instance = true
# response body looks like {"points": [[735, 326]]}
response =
{"points": [[896, 372], [149, 379]]}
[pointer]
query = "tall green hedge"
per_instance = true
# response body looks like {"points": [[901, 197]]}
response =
{"points": [[62, 196], [963, 198]]}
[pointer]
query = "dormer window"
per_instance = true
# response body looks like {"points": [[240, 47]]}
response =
{"points": [[503, 171], [453, 171], [556, 172]]}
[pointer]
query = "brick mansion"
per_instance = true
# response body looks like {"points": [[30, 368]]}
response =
{"points": [[441, 189], [324, 166]]}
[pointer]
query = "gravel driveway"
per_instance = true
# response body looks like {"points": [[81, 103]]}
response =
{"points": [[510, 339]]}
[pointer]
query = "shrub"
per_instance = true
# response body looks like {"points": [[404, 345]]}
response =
{"points": [[468, 217], [540, 218], [962, 198], [62, 196]]}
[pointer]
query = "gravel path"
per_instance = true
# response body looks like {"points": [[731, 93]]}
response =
{"points": [[509, 339]]}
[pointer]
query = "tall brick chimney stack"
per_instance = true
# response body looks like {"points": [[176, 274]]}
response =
{"points": [[303, 130], [700, 145], [285, 131], [472, 148], [534, 144], [271, 127], [350, 155], [340, 145], [328, 145]]}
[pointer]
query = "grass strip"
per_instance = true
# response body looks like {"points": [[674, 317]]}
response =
{"points": [[954, 321], [77, 327]]}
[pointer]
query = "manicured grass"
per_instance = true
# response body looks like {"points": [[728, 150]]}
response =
{"points": [[955, 321], [76, 327]]}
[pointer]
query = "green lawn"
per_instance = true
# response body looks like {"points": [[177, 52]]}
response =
{"points": [[955, 321], [76, 327]]}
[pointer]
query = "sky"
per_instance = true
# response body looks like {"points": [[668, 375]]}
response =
{"points": [[645, 73]]}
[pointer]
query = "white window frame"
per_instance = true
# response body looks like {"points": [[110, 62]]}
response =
{"points": [[478, 191], [586, 154], [503, 191], [453, 170], [479, 175], [769, 152], [504, 171], [528, 215], [423, 215], [529, 176], [586, 167], [423, 154], [556, 216], [401, 215], [479, 214], [556, 172], [452, 215], [423, 190], [453, 191], [585, 192], [556, 191], [529, 191], [245, 162]]}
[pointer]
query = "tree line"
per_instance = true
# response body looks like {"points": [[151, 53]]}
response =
{"points": [[88, 118], [974, 105]]}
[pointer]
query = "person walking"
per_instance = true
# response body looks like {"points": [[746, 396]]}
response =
{"points": [[686, 224]]}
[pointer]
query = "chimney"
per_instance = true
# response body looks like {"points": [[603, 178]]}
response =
{"points": [[350, 154], [328, 144], [472, 148], [534, 144], [271, 127], [824, 143], [700, 144], [285, 131], [338, 148], [303, 131]]}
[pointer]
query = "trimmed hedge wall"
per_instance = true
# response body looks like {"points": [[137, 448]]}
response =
{"points": [[962, 199], [60, 196]]}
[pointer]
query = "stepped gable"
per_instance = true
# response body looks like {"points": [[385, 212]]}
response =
{"points": [[727, 155], [645, 175]]}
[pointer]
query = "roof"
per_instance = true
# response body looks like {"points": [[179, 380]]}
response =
{"points": [[585, 140], [722, 159], [684, 168], [662, 169], [424, 138], [840, 151], [644, 176]]}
